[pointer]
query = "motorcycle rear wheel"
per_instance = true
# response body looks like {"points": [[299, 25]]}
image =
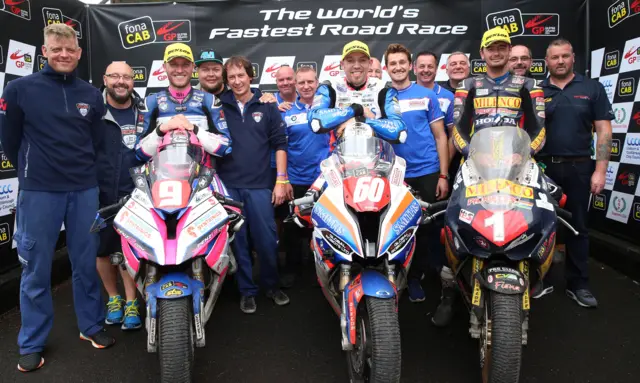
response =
{"points": [[376, 356], [175, 340], [503, 359]]}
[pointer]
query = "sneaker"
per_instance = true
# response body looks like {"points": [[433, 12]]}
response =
{"points": [[115, 313], [30, 362], [279, 297], [416, 294], [444, 312], [248, 305], [539, 290], [131, 316], [583, 297], [100, 340]]}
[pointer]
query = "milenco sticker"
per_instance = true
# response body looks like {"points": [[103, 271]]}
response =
{"points": [[20, 8], [55, 16], [172, 31]]}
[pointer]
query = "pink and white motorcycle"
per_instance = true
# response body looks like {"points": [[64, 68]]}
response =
{"points": [[176, 232]]}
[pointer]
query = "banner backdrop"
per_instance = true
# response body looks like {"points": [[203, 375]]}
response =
{"points": [[615, 62], [21, 25], [272, 34]]}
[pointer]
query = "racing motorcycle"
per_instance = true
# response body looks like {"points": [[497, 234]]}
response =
{"points": [[499, 236], [175, 234], [364, 226]]}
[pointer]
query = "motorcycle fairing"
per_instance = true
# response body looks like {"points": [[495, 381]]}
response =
{"points": [[402, 217], [502, 279]]}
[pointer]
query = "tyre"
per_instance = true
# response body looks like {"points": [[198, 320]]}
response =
{"points": [[503, 359], [175, 340], [376, 356]]}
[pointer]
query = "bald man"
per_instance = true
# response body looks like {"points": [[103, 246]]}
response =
{"points": [[375, 70], [122, 104]]}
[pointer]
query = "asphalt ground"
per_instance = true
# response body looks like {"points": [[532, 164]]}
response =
{"points": [[301, 342]]}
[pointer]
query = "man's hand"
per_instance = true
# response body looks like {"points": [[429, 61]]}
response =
{"points": [[268, 98], [340, 129], [284, 106], [369, 114], [279, 194], [597, 182], [289, 190], [176, 122], [442, 190]]}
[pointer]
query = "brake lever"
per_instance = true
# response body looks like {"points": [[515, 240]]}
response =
{"points": [[568, 225]]}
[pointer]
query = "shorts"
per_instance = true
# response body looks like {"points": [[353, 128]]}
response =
{"points": [[109, 242]]}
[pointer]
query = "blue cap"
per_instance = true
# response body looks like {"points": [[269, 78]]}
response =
{"points": [[208, 55]]}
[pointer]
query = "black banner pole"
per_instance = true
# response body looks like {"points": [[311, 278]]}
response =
{"points": [[89, 56], [587, 39]]}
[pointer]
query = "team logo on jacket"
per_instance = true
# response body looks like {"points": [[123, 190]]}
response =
{"points": [[257, 116], [83, 108]]}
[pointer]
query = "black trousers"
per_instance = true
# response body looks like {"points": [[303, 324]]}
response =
{"points": [[575, 179], [429, 251], [295, 238]]}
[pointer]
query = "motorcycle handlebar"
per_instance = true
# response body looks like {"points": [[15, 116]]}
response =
{"points": [[560, 212], [304, 200], [227, 201]]}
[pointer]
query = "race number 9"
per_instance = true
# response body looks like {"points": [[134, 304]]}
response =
{"points": [[171, 194], [368, 188]]}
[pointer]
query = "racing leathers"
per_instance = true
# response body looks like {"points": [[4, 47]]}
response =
{"points": [[202, 109], [338, 101], [509, 100]]}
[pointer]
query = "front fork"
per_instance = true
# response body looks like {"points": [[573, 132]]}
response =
{"points": [[478, 302]]}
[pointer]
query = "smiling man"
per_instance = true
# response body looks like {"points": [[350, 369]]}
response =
{"points": [[457, 69], [51, 127], [209, 68]]}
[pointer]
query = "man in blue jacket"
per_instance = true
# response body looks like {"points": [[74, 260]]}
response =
{"points": [[120, 137], [54, 144], [255, 129]]}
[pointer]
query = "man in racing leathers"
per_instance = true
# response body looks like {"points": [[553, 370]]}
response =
{"points": [[497, 99], [181, 106]]}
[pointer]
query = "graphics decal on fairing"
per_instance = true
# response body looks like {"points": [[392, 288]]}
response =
{"points": [[128, 222], [404, 213]]}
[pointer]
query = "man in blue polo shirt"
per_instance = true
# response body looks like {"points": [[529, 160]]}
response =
{"points": [[574, 104], [306, 150], [426, 153]]}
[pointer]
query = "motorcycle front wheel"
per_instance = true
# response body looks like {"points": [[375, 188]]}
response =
{"points": [[175, 340], [376, 356], [502, 360]]}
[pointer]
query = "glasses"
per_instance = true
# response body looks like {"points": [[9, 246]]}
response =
{"points": [[115, 76], [521, 58]]}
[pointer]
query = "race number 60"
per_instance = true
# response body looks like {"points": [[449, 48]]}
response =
{"points": [[368, 188]]}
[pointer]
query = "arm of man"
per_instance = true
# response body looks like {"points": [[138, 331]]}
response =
{"points": [[463, 115], [97, 126], [603, 114], [147, 146], [323, 116], [11, 123], [448, 122], [390, 127], [217, 140], [533, 98], [278, 141], [436, 122]]}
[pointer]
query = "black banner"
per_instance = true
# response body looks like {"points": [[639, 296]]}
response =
{"points": [[615, 62], [21, 38], [273, 34]]}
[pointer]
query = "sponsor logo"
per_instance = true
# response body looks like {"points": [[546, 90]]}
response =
{"points": [[621, 117], [257, 116], [137, 32], [617, 12], [636, 117], [42, 61], [406, 218], [609, 83], [631, 56], [21, 57], [83, 108], [466, 216], [5, 233], [612, 170], [615, 147], [631, 150], [55, 16], [620, 206], [626, 87], [636, 211], [611, 60], [256, 73], [634, 7], [499, 186], [627, 179], [510, 20], [20, 8], [307, 64], [543, 24], [139, 74], [8, 192], [538, 67], [158, 77], [330, 68], [491, 102], [172, 31], [482, 242], [478, 67], [600, 201], [271, 66], [5, 164]]}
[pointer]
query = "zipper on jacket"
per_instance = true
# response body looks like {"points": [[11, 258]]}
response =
{"points": [[66, 106], [26, 160]]}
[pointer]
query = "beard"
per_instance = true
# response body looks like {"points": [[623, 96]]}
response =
{"points": [[118, 98], [213, 90]]}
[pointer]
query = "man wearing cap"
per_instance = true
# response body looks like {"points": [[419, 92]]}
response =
{"points": [[357, 96], [181, 106], [209, 69]]}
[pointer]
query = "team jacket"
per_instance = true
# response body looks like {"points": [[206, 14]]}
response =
{"points": [[200, 108], [336, 102], [481, 102]]}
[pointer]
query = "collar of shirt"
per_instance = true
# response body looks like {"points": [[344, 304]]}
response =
{"points": [[576, 78], [240, 106], [436, 88]]}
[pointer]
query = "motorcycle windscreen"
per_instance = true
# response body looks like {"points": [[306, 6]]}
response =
{"points": [[365, 164], [499, 155], [171, 174]]}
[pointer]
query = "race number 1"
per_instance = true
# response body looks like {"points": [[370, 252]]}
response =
{"points": [[368, 189], [497, 221]]}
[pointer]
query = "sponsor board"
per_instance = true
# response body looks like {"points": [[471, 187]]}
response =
{"points": [[620, 205], [20, 58]]}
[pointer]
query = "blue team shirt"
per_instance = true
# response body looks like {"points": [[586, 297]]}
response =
{"points": [[445, 98], [420, 107], [306, 149]]}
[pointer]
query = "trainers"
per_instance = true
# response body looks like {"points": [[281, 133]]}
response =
{"points": [[131, 316], [279, 297], [539, 290], [115, 313], [444, 312], [416, 294], [101, 339], [583, 297], [248, 305], [30, 362]]}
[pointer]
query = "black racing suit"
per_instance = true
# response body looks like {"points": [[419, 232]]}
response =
{"points": [[482, 102]]}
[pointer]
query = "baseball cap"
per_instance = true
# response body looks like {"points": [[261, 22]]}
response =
{"points": [[494, 35], [178, 50], [355, 46], [208, 55]]}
